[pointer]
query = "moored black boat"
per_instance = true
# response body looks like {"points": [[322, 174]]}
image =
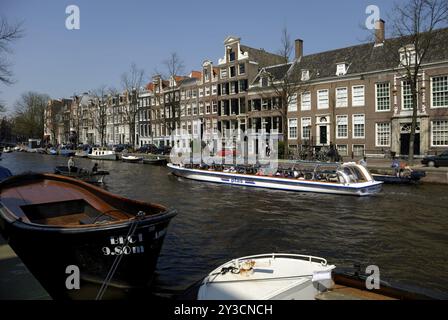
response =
{"points": [[158, 161], [56, 224], [408, 178], [82, 174]]}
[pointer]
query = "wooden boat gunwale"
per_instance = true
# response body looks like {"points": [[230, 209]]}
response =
{"points": [[18, 221]]}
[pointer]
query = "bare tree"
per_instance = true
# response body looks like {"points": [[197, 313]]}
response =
{"points": [[8, 34], [289, 86], [132, 82], [76, 116], [416, 24], [98, 112], [175, 67], [52, 119]]}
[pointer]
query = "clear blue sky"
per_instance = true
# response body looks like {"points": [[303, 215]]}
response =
{"points": [[113, 34]]}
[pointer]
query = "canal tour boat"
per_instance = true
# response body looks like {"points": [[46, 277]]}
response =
{"points": [[345, 179], [102, 154], [287, 277], [58, 225]]}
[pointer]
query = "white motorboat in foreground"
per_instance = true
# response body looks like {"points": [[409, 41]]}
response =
{"points": [[268, 277], [102, 154], [289, 277], [347, 179]]}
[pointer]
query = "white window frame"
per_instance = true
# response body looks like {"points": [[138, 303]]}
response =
{"points": [[338, 147], [358, 104], [389, 133], [338, 103], [306, 120], [353, 126], [305, 75], [358, 144], [376, 96], [432, 92], [341, 69], [214, 107], [338, 124], [289, 129], [239, 70], [223, 73], [320, 105], [292, 105], [306, 107], [402, 96], [432, 133], [230, 73]]}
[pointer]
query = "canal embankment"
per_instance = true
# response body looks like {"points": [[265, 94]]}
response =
{"points": [[16, 281]]}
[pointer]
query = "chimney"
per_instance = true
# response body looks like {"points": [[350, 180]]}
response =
{"points": [[299, 48], [379, 32]]}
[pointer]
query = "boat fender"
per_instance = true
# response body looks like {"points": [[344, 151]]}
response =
{"points": [[247, 268]]}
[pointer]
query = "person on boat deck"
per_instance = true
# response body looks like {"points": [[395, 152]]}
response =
{"points": [[396, 166], [95, 168], [363, 162], [332, 152], [70, 164]]}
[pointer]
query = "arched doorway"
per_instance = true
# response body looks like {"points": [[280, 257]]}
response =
{"points": [[405, 138]]}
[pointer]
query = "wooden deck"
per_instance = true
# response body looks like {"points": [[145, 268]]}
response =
{"points": [[50, 191], [340, 292]]}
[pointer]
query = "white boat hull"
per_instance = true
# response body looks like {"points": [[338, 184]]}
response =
{"points": [[287, 184], [271, 277], [103, 157]]}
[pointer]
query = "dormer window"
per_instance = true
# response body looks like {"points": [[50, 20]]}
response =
{"points": [[305, 75], [264, 81], [231, 54], [408, 55], [341, 69]]}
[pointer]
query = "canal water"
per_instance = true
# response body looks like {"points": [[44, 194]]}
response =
{"points": [[403, 230]]}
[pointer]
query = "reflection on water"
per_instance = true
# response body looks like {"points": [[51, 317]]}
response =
{"points": [[403, 230]]}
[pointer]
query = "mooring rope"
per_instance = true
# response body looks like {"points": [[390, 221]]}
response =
{"points": [[118, 258]]}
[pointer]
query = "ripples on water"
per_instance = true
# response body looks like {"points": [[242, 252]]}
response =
{"points": [[403, 230]]}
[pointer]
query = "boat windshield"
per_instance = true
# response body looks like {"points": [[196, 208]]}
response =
{"points": [[353, 174]]}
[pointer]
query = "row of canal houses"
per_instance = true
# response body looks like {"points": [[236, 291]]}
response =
{"points": [[354, 97]]}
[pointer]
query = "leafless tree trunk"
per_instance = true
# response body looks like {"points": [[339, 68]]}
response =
{"points": [[287, 87], [76, 116], [415, 23], [54, 123], [98, 112], [132, 82], [8, 34], [175, 67]]}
